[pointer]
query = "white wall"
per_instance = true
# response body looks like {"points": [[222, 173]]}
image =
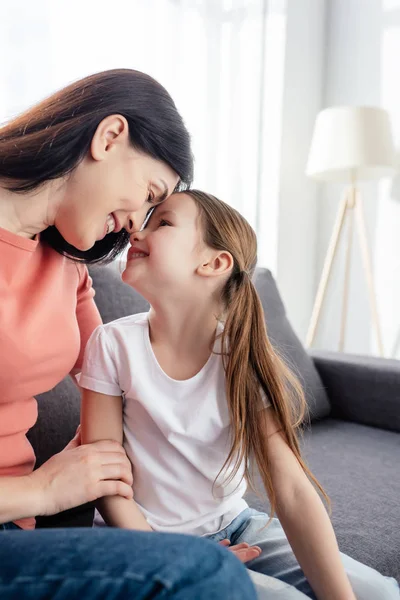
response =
{"points": [[362, 67], [387, 250], [297, 219]]}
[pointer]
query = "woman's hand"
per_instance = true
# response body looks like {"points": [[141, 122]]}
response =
{"points": [[81, 474], [244, 552]]}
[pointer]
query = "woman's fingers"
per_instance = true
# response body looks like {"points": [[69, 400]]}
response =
{"points": [[108, 446], [81, 474], [76, 440], [114, 488], [117, 471]]}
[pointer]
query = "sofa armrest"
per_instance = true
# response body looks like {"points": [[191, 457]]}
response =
{"points": [[361, 389]]}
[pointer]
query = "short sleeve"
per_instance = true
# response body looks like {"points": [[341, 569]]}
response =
{"points": [[99, 371], [87, 313]]}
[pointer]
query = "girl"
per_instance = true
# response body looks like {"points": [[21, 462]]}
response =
{"points": [[195, 392]]}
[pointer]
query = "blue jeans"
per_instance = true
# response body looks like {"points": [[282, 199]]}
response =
{"points": [[276, 572], [115, 564]]}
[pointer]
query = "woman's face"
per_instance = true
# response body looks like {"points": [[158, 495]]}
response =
{"points": [[112, 188]]}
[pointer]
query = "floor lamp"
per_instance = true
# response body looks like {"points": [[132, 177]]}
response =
{"points": [[349, 144]]}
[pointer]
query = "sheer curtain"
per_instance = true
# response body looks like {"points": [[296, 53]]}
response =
{"points": [[221, 60]]}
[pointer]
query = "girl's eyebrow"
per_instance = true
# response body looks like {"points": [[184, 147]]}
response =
{"points": [[161, 211]]}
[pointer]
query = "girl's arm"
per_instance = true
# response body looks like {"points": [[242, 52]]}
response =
{"points": [[305, 520], [101, 419]]}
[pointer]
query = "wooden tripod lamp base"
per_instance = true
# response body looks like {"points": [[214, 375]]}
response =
{"points": [[350, 210], [349, 144]]}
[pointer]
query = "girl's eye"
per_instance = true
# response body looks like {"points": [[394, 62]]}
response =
{"points": [[163, 223]]}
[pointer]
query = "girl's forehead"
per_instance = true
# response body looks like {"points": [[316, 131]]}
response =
{"points": [[179, 206], [181, 203]]}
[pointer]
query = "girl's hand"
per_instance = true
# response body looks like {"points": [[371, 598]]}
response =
{"points": [[244, 552], [80, 474]]}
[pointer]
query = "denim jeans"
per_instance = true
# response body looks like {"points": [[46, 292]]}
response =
{"points": [[276, 572], [115, 564]]}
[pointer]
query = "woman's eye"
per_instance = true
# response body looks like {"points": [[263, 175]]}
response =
{"points": [[151, 198]]}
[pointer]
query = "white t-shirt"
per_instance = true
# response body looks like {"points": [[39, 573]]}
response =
{"points": [[176, 433]]}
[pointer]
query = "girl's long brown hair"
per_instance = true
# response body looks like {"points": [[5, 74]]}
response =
{"points": [[251, 363]]}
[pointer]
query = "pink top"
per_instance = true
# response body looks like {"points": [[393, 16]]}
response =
{"points": [[47, 314]]}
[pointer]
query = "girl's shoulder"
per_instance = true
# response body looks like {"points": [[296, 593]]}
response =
{"points": [[115, 331], [139, 319]]}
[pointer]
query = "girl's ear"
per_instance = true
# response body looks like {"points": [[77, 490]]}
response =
{"points": [[217, 264]]}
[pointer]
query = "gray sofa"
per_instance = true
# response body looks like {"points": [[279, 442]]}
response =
{"points": [[353, 445]]}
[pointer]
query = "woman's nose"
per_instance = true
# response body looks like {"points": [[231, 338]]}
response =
{"points": [[136, 219], [132, 225]]}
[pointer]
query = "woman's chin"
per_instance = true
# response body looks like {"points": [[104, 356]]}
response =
{"points": [[84, 245]]}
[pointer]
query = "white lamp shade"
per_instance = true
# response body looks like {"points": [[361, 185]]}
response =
{"points": [[351, 143]]}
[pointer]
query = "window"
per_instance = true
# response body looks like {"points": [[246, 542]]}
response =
{"points": [[221, 60]]}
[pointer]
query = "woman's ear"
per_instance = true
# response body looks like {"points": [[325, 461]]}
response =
{"points": [[219, 263], [111, 133]]}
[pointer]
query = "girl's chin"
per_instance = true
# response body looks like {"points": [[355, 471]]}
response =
{"points": [[129, 278], [125, 276]]}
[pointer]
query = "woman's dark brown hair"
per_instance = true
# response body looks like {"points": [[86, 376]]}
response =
{"points": [[250, 361], [49, 140]]}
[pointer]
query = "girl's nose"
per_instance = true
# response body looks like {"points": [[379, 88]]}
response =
{"points": [[136, 236]]}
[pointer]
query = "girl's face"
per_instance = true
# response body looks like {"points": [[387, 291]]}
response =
{"points": [[167, 253], [112, 188]]}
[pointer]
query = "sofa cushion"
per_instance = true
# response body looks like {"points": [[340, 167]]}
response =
{"points": [[358, 469], [115, 299]]}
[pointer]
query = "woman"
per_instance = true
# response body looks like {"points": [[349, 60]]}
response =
{"points": [[78, 173]]}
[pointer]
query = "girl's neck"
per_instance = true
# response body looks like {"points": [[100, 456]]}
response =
{"points": [[186, 331]]}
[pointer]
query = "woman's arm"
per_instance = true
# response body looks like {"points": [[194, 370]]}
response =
{"points": [[77, 475], [101, 418], [305, 520], [19, 498]]}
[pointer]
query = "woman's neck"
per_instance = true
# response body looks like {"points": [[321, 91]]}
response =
{"points": [[29, 213]]}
